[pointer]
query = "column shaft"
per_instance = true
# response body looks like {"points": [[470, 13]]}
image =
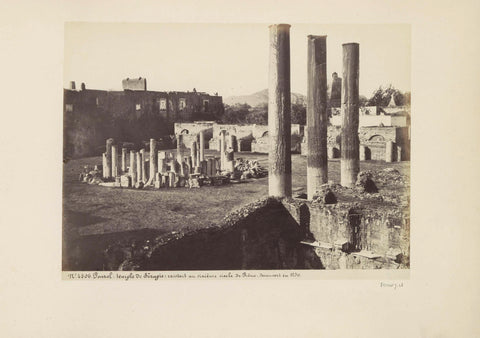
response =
{"points": [[349, 162], [317, 120], [279, 114]]}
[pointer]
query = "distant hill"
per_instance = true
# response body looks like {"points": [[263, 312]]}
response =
{"points": [[260, 98]]}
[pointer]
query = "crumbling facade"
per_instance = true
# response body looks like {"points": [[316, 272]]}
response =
{"points": [[136, 100]]}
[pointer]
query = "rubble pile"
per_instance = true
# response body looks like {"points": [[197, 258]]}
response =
{"points": [[250, 168], [389, 176], [365, 182], [324, 195], [91, 176]]}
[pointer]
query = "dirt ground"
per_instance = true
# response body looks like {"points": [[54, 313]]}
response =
{"points": [[96, 216]]}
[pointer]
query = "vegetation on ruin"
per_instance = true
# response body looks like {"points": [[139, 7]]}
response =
{"points": [[381, 97]]}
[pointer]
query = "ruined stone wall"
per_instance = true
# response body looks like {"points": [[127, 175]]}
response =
{"points": [[190, 131], [130, 116], [259, 236], [273, 234], [374, 120], [373, 139], [377, 230]]}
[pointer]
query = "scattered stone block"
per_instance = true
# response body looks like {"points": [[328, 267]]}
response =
{"points": [[193, 182], [139, 185], [395, 255], [125, 181], [325, 195], [365, 184]]}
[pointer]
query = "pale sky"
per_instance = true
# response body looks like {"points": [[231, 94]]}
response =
{"points": [[231, 59]]}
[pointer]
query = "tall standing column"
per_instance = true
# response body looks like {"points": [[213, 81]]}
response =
{"points": [[389, 151], [179, 148], [317, 120], [108, 151], [114, 161], [349, 163], [133, 168], [202, 145], [104, 165], [162, 162], [223, 148], [153, 161], [138, 160], [193, 153], [124, 159], [279, 115], [142, 166], [232, 142]]}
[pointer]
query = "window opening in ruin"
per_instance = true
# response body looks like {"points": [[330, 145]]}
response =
{"points": [[138, 106], [163, 104], [69, 108], [205, 105], [182, 103]]}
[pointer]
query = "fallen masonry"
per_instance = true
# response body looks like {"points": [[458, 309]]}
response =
{"points": [[163, 170]]}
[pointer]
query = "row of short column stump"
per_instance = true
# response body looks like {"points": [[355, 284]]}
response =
{"points": [[164, 170]]}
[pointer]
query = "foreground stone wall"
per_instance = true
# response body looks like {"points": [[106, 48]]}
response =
{"points": [[259, 236], [279, 234]]}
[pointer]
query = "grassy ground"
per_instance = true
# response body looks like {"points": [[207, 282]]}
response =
{"points": [[96, 216]]}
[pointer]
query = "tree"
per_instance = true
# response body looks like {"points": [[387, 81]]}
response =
{"points": [[235, 114], [382, 96], [299, 113]]}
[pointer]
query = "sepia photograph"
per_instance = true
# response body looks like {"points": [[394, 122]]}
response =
{"points": [[236, 147], [240, 169]]}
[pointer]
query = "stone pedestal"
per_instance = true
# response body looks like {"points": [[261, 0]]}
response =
{"points": [[125, 181]]}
